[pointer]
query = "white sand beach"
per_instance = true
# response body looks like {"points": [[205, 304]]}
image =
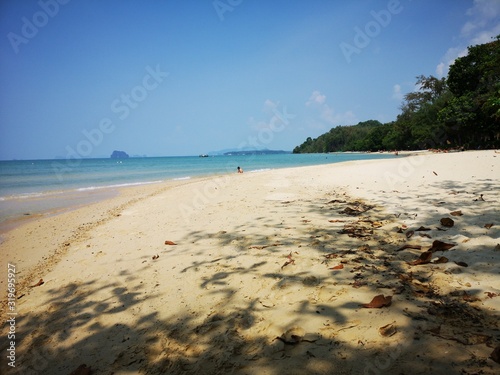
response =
{"points": [[268, 272]]}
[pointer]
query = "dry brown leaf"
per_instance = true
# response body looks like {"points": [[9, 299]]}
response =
{"points": [[424, 258], [388, 330], [495, 354], [441, 260], [491, 294], [440, 246], [378, 302], [488, 226], [456, 213], [40, 282], [408, 246], [339, 267], [423, 229], [170, 243], [82, 370], [447, 222], [336, 221]]}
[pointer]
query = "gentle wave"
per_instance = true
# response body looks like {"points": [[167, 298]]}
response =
{"points": [[259, 170], [89, 188], [182, 178], [47, 194]]}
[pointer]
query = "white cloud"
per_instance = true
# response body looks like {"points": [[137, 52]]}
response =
{"points": [[481, 26], [396, 92], [316, 98], [326, 114]]}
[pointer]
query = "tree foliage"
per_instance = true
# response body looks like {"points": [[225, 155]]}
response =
{"points": [[461, 110]]}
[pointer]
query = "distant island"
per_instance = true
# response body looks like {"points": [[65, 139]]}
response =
{"points": [[257, 152], [119, 155]]}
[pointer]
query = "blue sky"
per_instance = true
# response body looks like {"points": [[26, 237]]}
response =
{"points": [[162, 78]]}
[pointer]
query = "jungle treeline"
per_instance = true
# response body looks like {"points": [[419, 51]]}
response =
{"points": [[461, 110]]}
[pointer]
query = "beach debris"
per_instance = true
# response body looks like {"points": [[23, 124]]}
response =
{"points": [[488, 226], [409, 234], [456, 213], [425, 235], [409, 246], [336, 201], [155, 256], [356, 209], [491, 294], [167, 242], [289, 261], [422, 228], [447, 222], [22, 295], [292, 336], [462, 264], [424, 258], [495, 354], [40, 282], [83, 369], [469, 298], [441, 260], [261, 247], [356, 230], [336, 221], [388, 330], [480, 199], [378, 302], [434, 173], [338, 267], [440, 246]]}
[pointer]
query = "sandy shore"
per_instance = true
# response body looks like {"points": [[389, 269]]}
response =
{"points": [[269, 273]]}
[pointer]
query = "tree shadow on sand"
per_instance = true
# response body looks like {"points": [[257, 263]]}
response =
{"points": [[306, 317]]}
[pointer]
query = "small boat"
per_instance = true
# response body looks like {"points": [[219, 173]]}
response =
{"points": [[203, 156]]}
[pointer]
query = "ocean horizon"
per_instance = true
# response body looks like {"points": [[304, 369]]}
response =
{"points": [[29, 187]]}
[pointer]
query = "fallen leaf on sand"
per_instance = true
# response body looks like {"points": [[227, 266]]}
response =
{"points": [[339, 267], [456, 213], [440, 246], [423, 229], [495, 354], [408, 246], [40, 282], [388, 330], [491, 294], [82, 370], [336, 221], [170, 243], [488, 226], [378, 302], [410, 233], [447, 222], [462, 264], [441, 260], [424, 258], [289, 261]]}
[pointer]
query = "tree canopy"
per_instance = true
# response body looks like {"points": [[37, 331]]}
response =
{"points": [[461, 110]]}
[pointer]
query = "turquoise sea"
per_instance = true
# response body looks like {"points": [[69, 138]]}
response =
{"points": [[34, 186]]}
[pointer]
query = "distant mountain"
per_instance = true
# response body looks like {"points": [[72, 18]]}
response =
{"points": [[246, 151], [256, 152], [119, 155]]}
